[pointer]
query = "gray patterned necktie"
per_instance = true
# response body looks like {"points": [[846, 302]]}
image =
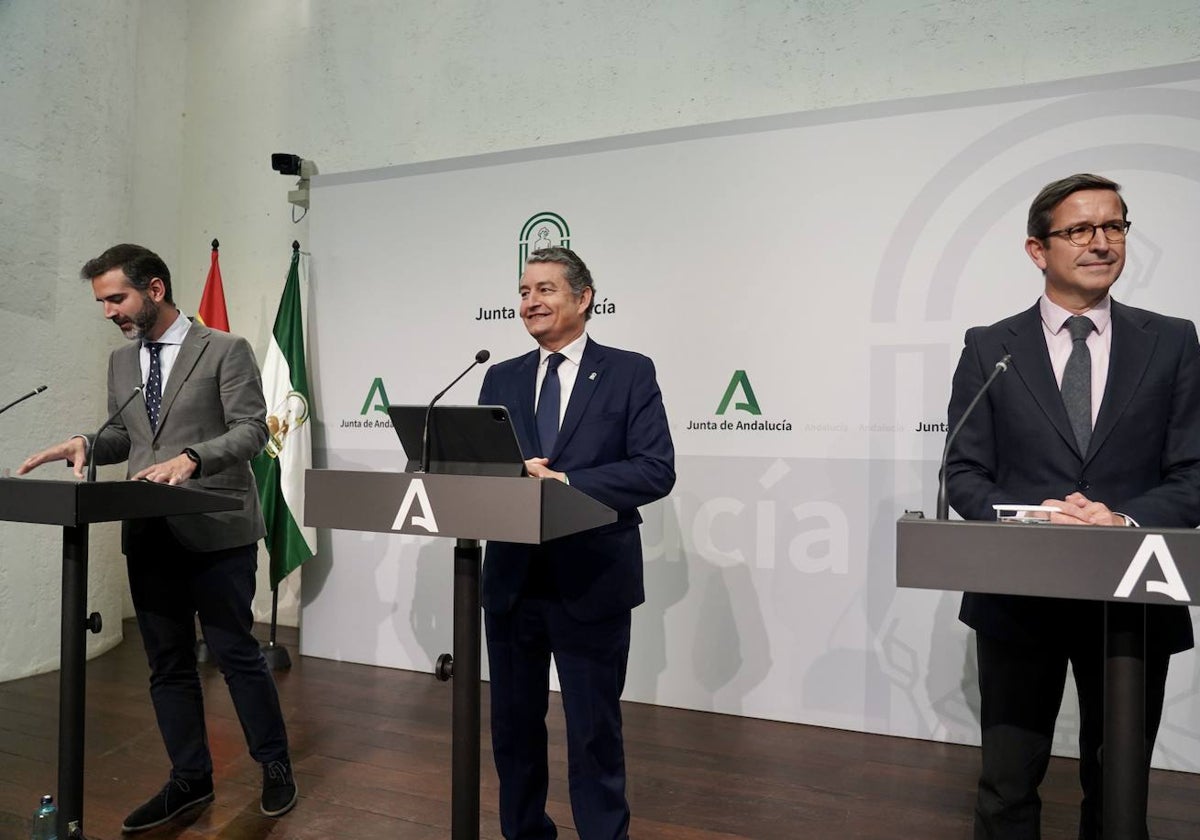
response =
{"points": [[1077, 381], [153, 393]]}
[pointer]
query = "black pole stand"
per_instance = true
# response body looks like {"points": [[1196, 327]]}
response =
{"points": [[72, 683], [276, 655], [1123, 760], [464, 820]]}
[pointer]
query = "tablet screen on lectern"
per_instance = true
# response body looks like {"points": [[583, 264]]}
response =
{"points": [[463, 439]]}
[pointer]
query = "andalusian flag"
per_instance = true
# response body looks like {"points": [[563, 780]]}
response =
{"points": [[212, 302], [279, 468]]}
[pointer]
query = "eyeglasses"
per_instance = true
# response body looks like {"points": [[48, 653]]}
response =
{"points": [[1084, 234]]}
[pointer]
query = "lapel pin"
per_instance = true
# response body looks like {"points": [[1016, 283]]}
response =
{"points": [[592, 376]]}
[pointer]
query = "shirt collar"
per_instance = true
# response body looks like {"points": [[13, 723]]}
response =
{"points": [[573, 351], [176, 332], [1054, 316]]}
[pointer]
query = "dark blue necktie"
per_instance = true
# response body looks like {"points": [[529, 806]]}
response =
{"points": [[153, 393], [1077, 381], [549, 401]]}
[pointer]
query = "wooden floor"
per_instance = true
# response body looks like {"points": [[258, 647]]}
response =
{"points": [[371, 750]]}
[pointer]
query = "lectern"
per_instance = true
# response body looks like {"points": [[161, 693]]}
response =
{"points": [[469, 508], [74, 505], [1126, 568]]}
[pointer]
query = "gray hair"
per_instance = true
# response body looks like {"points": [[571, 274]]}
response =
{"points": [[575, 271]]}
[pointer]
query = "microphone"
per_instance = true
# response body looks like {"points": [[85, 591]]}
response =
{"points": [[943, 503], [91, 471], [480, 357], [32, 393]]}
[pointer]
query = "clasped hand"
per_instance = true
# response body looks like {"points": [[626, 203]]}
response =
{"points": [[538, 468], [1078, 509]]}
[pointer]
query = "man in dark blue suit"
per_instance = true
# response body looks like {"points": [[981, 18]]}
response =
{"points": [[593, 417], [1099, 417]]}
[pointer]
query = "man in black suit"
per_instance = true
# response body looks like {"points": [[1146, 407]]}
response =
{"points": [[1098, 417], [593, 417]]}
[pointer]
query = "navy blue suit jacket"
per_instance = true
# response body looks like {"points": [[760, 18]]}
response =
{"points": [[1018, 448], [615, 446]]}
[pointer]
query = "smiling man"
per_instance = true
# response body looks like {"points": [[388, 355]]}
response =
{"points": [[593, 417], [1099, 417], [202, 419]]}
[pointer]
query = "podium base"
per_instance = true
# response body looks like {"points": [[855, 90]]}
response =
{"points": [[277, 657]]}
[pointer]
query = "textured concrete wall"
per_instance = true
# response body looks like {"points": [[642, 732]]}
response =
{"points": [[154, 121], [71, 144]]}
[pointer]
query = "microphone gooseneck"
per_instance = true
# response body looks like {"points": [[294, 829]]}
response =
{"points": [[480, 357], [943, 501], [91, 470], [32, 393]]}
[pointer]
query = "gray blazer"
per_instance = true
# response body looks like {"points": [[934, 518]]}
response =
{"points": [[214, 405]]}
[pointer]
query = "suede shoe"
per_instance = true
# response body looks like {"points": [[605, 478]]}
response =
{"points": [[177, 796], [279, 788]]}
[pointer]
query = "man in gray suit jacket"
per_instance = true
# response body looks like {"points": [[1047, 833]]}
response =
{"points": [[201, 421]]}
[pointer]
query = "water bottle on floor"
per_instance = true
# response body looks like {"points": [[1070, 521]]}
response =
{"points": [[44, 820]]}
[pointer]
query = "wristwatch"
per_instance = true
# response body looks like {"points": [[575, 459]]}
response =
{"points": [[191, 453]]}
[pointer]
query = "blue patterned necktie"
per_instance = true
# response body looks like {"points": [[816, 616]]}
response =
{"points": [[549, 401], [153, 393], [1077, 381]]}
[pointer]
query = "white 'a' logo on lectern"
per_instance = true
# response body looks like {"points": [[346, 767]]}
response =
{"points": [[1153, 546], [423, 516]]}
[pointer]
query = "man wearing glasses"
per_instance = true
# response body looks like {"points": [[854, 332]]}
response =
{"points": [[1098, 418]]}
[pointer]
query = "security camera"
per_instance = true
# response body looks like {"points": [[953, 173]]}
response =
{"points": [[286, 164], [289, 164]]}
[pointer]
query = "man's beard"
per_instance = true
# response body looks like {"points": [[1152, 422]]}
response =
{"points": [[142, 321]]}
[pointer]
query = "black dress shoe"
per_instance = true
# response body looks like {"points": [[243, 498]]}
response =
{"points": [[279, 788], [177, 796]]}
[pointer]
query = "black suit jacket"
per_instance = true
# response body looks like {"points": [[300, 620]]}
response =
{"points": [[1017, 447], [615, 446]]}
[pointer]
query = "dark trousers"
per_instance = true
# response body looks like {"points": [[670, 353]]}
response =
{"points": [[1021, 689], [170, 587], [591, 659]]}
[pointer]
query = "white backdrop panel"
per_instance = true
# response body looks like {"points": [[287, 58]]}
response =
{"points": [[819, 271]]}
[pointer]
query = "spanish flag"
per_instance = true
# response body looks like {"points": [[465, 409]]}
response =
{"points": [[212, 302]]}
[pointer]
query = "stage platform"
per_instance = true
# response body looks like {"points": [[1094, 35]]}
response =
{"points": [[372, 756]]}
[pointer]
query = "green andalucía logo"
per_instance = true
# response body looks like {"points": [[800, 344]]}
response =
{"points": [[541, 230], [748, 403], [379, 394]]}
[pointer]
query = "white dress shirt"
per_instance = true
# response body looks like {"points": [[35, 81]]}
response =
{"points": [[171, 340]]}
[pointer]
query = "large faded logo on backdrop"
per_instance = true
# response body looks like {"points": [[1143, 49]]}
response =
{"points": [[928, 285], [541, 230]]}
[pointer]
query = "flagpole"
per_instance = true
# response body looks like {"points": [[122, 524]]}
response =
{"points": [[276, 655], [202, 652], [277, 468]]}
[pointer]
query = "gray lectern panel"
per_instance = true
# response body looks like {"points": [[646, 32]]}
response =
{"points": [[1154, 566], [565, 511], [460, 506]]}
